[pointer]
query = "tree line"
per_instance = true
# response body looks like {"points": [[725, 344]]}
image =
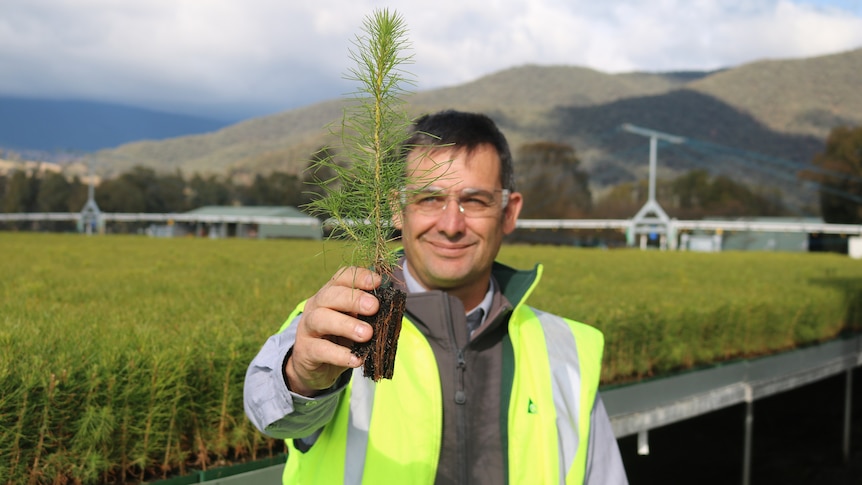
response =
{"points": [[547, 166], [142, 189], [549, 175]]}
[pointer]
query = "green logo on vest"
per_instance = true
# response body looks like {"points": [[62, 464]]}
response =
{"points": [[532, 408]]}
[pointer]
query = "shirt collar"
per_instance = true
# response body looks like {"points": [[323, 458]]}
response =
{"points": [[413, 286]]}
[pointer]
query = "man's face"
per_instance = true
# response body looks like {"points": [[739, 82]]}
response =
{"points": [[450, 248]]}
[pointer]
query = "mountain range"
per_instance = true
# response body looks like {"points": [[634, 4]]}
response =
{"points": [[762, 121], [54, 126]]}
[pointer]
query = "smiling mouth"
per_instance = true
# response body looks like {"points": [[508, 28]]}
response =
{"points": [[449, 248]]}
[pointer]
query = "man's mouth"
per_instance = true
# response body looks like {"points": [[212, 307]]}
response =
{"points": [[449, 248]]}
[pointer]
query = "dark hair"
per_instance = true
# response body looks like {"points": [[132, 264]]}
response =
{"points": [[464, 131]]}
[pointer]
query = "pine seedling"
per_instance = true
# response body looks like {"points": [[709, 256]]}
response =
{"points": [[360, 199], [362, 196]]}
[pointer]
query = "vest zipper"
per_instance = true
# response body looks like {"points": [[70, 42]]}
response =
{"points": [[461, 411], [460, 399], [460, 395]]}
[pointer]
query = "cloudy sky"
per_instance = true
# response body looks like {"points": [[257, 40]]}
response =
{"points": [[234, 59]]}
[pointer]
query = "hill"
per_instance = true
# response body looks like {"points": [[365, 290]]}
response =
{"points": [[762, 121], [804, 97], [285, 141], [282, 141], [55, 125]]}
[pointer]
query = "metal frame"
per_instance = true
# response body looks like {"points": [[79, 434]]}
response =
{"points": [[645, 405], [552, 224]]}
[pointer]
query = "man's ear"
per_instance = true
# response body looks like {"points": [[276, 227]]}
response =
{"points": [[513, 209]]}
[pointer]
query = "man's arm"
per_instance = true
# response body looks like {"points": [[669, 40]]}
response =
{"points": [[292, 385], [604, 463], [271, 406]]}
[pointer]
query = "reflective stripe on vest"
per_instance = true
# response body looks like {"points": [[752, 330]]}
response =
{"points": [[549, 412], [551, 403]]}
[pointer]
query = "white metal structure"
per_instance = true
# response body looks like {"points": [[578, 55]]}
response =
{"points": [[646, 405], [91, 216], [674, 226], [651, 218], [707, 225]]}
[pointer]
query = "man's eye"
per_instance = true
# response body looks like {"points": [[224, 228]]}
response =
{"points": [[429, 200], [475, 202]]}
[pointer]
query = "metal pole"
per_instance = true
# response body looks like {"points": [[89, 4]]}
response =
{"points": [[749, 424], [848, 407], [653, 144], [643, 442]]}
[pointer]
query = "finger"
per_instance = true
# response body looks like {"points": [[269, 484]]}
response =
{"points": [[355, 277], [321, 322], [344, 299], [319, 366], [328, 352], [314, 354]]}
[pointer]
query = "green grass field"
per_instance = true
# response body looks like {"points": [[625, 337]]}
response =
{"points": [[124, 357]]}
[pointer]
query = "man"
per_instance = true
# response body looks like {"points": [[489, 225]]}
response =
{"points": [[485, 390]]}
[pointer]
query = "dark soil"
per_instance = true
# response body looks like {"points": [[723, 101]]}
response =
{"points": [[797, 439], [379, 352]]}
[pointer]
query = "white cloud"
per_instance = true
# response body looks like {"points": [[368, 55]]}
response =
{"points": [[247, 57]]}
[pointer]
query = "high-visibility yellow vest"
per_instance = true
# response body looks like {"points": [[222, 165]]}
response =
{"points": [[389, 431]]}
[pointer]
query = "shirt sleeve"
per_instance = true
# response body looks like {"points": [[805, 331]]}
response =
{"points": [[604, 462], [271, 406]]}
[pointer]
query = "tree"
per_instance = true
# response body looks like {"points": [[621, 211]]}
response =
{"points": [[256, 193], [143, 190], [840, 176], [691, 188], [208, 191], [695, 194], [544, 165], [285, 189], [363, 205], [54, 196], [277, 188], [692, 195], [166, 193], [373, 127], [78, 193], [621, 201], [120, 195], [54, 193], [20, 195], [318, 177]]}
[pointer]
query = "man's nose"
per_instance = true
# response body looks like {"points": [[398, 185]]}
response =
{"points": [[452, 217], [453, 201]]}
